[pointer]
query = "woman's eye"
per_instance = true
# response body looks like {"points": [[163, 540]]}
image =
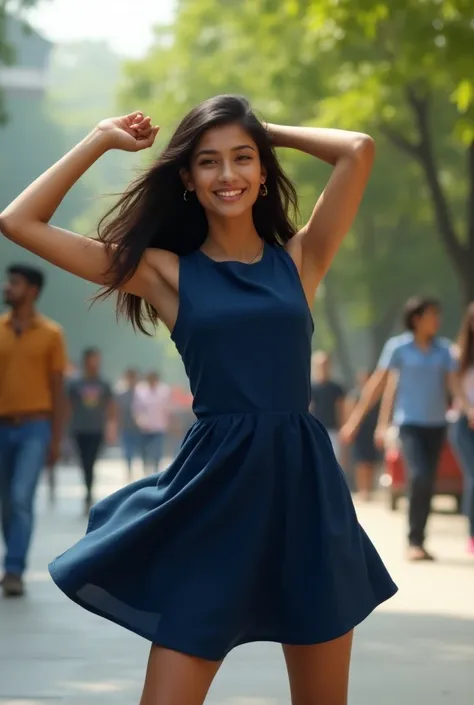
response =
{"points": [[244, 157], [206, 162]]}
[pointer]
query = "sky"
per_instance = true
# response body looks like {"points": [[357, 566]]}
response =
{"points": [[126, 25]]}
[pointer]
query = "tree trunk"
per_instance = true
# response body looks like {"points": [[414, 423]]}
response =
{"points": [[461, 255]]}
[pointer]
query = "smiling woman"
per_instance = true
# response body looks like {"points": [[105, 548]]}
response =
{"points": [[250, 534]]}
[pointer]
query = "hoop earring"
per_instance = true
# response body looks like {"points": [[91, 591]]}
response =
{"points": [[263, 190], [185, 194]]}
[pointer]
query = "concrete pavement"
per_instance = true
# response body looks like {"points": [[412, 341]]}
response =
{"points": [[418, 648]]}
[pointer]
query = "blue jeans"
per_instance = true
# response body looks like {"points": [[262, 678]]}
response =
{"points": [[152, 450], [421, 449], [462, 441], [23, 452], [130, 445]]}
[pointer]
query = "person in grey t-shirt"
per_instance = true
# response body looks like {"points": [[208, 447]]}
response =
{"points": [[92, 415]]}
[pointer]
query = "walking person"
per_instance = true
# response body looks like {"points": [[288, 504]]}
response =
{"points": [[151, 408], [461, 432], [93, 417], [327, 398], [364, 452], [422, 368], [129, 433], [32, 366], [253, 518]]}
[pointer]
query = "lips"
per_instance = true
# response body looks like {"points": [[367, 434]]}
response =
{"points": [[229, 194]]}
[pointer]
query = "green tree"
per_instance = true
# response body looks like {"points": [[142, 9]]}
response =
{"points": [[405, 67], [291, 60]]}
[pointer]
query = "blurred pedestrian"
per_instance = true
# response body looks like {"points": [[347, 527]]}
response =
{"points": [[365, 454], [327, 398], [93, 416], [32, 365], [68, 450], [151, 411], [128, 429], [251, 532], [422, 368], [461, 431]]}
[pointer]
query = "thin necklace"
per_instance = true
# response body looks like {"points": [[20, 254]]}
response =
{"points": [[260, 250]]}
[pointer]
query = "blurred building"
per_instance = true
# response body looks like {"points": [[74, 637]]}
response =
{"points": [[27, 75]]}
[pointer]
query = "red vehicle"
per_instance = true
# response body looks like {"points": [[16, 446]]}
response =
{"points": [[448, 480]]}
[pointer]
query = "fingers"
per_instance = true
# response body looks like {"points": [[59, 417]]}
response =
{"points": [[140, 124], [147, 140], [137, 115]]}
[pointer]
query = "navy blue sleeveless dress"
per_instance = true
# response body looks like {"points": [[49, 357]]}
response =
{"points": [[250, 534]]}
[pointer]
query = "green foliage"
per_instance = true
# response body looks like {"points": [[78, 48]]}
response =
{"points": [[344, 63]]}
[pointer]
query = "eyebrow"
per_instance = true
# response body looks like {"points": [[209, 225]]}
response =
{"points": [[215, 151]]}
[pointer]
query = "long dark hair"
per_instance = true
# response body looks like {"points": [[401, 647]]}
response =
{"points": [[466, 340], [152, 212]]}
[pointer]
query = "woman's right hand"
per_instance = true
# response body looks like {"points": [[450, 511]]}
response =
{"points": [[130, 133]]}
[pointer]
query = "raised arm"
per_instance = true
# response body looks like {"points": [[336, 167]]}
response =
{"points": [[351, 154], [26, 220]]}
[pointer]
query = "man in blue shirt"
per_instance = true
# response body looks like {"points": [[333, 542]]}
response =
{"points": [[423, 368]]}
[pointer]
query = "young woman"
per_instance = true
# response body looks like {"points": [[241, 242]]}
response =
{"points": [[462, 430], [251, 533]]}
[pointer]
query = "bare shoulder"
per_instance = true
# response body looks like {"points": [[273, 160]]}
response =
{"points": [[160, 285], [295, 250], [164, 265], [308, 269]]}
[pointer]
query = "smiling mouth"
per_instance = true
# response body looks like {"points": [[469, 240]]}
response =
{"points": [[229, 194]]}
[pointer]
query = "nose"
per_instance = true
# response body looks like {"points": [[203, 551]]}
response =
{"points": [[227, 173]]}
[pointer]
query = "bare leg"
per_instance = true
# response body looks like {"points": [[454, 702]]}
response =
{"points": [[365, 478], [173, 678], [319, 674]]}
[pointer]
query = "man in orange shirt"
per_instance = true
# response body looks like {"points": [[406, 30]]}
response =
{"points": [[32, 365]]}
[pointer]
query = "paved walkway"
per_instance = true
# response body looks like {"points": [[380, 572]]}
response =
{"points": [[418, 648]]}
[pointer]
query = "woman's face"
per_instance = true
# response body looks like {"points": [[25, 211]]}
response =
{"points": [[225, 173]]}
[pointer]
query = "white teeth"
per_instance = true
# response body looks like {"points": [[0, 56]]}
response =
{"points": [[229, 193]]}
